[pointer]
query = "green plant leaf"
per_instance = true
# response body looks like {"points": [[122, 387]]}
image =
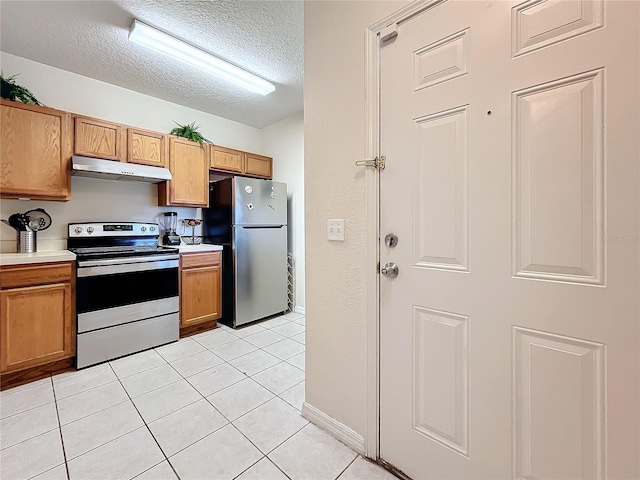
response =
{"points": [[11, 90], [190, 132]]}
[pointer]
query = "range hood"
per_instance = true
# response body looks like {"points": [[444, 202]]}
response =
{"points": [[112, 170]]}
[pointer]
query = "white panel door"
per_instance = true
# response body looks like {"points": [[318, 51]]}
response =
{"points": [[510, 340]]}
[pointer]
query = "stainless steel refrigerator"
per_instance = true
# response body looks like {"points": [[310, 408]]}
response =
{"points": [[249, 218]]}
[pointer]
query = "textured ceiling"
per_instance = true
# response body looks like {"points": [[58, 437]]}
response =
{"points": [[90, 38]]}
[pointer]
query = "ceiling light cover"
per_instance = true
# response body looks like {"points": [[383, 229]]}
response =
{"points": [[143, 34]]}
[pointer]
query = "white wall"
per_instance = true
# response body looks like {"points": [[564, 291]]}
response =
{"points": [[334, 128], [284, 141], [107, 200]]}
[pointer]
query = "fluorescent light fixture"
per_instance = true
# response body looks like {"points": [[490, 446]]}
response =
{"points": [[176, 48]]}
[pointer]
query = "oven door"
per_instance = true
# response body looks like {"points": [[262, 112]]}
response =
{"points": [[105, 284]]}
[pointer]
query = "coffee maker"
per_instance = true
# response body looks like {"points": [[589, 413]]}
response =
{"points": [[169, 222]]}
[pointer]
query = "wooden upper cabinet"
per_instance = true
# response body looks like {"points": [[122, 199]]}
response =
{"points": [[226, 159], [100, 139], [146, 147], [258, 166], [243, 163], [36, 148], [37, 315], [189, 165]]}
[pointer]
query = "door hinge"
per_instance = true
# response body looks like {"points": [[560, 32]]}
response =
{"points": [[388, 33], [377, 163]]}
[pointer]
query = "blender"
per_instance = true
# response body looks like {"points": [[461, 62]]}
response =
{"points": [[169, 222]]}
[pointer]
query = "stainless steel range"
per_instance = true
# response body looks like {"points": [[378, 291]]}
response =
{"points": [[126, 290]]}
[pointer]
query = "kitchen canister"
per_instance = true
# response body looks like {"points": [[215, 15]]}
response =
{"points": [[27, 241]]}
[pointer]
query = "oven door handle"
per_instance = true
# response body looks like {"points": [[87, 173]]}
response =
{"points": [[122, 260], [97, 270]]}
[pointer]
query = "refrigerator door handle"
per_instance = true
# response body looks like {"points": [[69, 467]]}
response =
{"points": [[249, 227]]}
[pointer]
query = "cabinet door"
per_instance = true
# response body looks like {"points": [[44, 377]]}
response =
{"points": [[227, 159], [200, 299], [96, 138], [189, 165], [36, 148], [146, 148], [37, 326], [258, 166]]}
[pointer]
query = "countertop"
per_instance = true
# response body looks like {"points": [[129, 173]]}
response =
{"points": [[44, 256], [203, 247], [47, 256]]}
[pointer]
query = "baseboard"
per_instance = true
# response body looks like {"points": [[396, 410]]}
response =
{"points": [[350, 438], [299, 310]]}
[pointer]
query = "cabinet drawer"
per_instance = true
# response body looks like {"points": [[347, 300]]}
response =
{"points": [[205, 259], [37, 274]]}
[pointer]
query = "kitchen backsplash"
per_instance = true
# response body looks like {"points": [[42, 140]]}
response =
{"points": [[91, 200]]}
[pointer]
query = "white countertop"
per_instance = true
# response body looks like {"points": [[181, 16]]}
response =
{"points": [[203, 247], [45, 256]]}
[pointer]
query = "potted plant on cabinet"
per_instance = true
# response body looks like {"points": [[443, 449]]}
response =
{"points": [[190, 132], [11, 90]]}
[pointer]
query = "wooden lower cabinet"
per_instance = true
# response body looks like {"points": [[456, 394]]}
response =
{"points": [[200, 288], [37, 315]]}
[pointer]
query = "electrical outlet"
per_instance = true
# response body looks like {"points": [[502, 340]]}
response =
{"points": [[335, 229]]}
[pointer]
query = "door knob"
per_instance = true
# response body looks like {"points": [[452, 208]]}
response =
{"points": [[389, 270]]}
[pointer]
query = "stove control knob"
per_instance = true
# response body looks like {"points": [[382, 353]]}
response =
{"points": [[78, 230], [89, 230], [143, 229], [153, 229]]}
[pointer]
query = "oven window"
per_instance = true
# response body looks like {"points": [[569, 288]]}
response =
{"points": [[107, 291]]}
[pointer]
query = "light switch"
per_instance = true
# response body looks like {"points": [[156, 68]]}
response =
{"points": [[335, 229]]}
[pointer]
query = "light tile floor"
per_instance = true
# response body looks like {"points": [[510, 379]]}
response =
{"points": [[224, 404]]}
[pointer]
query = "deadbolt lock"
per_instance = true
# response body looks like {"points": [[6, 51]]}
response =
{"points": [[391, 240]]}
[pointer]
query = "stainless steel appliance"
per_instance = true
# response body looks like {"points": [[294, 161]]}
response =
{"points": [[126, 290], [110, 170], [249, 218], [169, 221]]}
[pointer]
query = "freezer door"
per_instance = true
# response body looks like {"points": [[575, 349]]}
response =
{"points": [[260, 272], [259, 202]]}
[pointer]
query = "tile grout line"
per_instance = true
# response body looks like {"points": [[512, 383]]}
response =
{"points": [[167, 362], [258, 461], [229, 422], [148, 429], [265, 455], [347, 467], [25, 411], [64, 452], [203, 398], [255, 408]]}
